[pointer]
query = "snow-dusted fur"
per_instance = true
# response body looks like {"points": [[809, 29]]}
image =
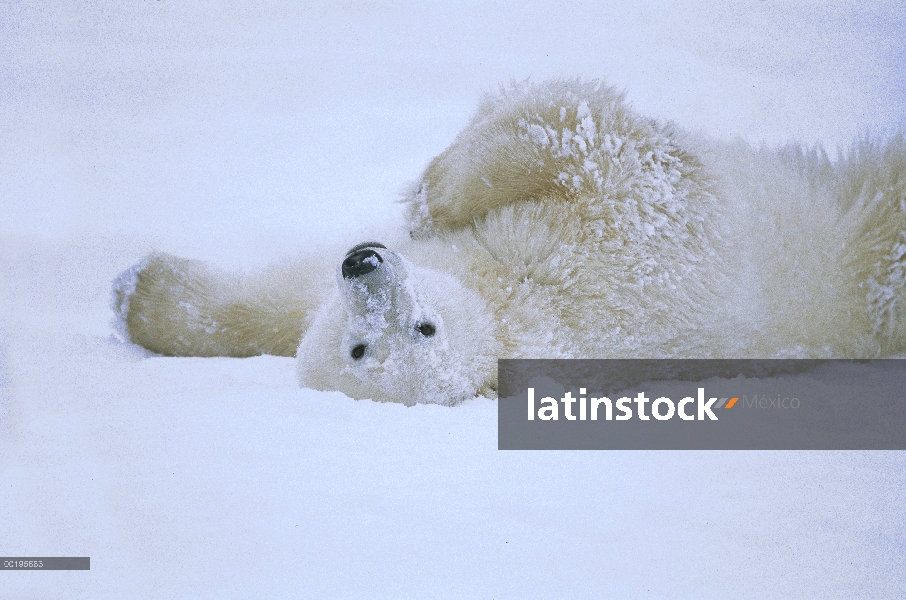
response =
{"points": [[562, 224]]}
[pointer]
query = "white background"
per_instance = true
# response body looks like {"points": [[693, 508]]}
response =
{"points": [[244, 132]]}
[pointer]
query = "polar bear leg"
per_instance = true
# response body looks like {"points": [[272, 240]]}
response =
{"points": [[518, 146], [179, 307]]}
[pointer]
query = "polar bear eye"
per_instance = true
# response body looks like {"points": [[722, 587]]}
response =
{"points": [[426, 329], [358, 352]]}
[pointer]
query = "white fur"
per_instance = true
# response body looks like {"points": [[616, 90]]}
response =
{"points": [[561, 224]]}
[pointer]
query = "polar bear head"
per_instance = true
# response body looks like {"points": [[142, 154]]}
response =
{"points": [[398, 332]]}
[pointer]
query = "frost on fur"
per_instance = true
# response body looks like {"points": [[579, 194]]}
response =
{"points": [[562, 224], [559, 140], [885, 290], [123, 290], [877, 191]]}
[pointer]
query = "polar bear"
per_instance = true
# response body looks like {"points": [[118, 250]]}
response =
{"points": [[562, 224]]}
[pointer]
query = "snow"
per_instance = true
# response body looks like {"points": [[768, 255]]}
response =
{"points": [[240, 134]]}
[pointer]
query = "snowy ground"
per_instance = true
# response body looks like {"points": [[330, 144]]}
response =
{"points": [[242, 135]]}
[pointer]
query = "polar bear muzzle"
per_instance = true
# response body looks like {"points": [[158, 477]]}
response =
{"points": [[376, 293]]}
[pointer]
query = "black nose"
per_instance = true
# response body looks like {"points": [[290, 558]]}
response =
{"points": [[359, 262]]}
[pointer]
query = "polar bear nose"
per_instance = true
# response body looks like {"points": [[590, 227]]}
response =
{"points": [[360, 261]]}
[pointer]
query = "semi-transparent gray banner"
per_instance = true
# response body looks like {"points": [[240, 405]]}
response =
{"points": [[44, 563], [630, 404]]}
